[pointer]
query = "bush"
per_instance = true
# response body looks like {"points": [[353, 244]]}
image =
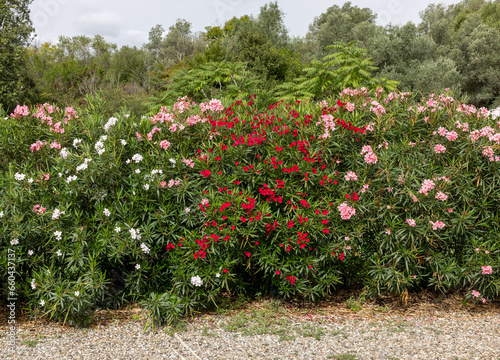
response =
{"points": [[286, 199]]}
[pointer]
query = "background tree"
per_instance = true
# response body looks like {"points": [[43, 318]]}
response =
{"points": [[15, 31], [342, 24], [346, 66]]}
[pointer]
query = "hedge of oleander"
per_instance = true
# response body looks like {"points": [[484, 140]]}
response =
{"points": [[382, 191]]}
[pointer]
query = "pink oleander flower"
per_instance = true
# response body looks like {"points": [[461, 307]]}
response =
{"points": [[39, 209], [452, 135], [427, 186], [439, 149], [20, 111], [475, 135], [488, 152], [442, 131], [37, 145], [152, 132], [188, 162], [371, 158], [486, 270], [349, 106], [366, 149], [346, 212], [411, 222], [441, 196], [173, 182], [365, 187], [215, 105], [351, 176], [55, 145], [388, 231], [437, 225], [164, 144], [476, 293]]}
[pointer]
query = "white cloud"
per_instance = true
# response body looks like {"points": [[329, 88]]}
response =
{"points": [[103, 23], [134, 37]]}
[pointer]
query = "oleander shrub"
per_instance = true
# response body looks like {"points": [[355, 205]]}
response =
{"points": [[384, 191]]}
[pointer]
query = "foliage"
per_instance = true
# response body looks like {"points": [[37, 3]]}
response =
{"points": [[384, 190], [210, 80], [459, 42], [342, 24], [15, 30], [347, 66]]}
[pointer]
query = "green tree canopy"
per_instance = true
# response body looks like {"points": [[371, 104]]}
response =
{"points": [[15, 31]]}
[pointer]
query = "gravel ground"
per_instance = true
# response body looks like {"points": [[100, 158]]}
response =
{"points": [[264, 332]]}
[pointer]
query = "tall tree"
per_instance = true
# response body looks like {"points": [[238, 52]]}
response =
{"points": [[15, 31], [343, 24]]}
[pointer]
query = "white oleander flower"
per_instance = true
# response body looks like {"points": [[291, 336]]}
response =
{"points": [[106, 212], [99, 147], [137, 158], [196, 281], [134, 234], [56, 214], [145, 248], [64, 153], [111, 122]]}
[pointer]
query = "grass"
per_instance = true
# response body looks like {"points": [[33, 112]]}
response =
{"points": [[356, 304], [206, 332], [179, 327], [398, 327], [342, 357], [310, 330], [269, 319], [339, 332], [30, 343], [227, 304]]}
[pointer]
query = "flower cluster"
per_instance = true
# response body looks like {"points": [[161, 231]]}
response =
{"points": [[196, 281], [370, 157], [427, 186], [346, 212]]}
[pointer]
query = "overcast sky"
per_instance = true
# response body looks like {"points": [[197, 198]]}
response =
{"points": [[126, 22]]}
